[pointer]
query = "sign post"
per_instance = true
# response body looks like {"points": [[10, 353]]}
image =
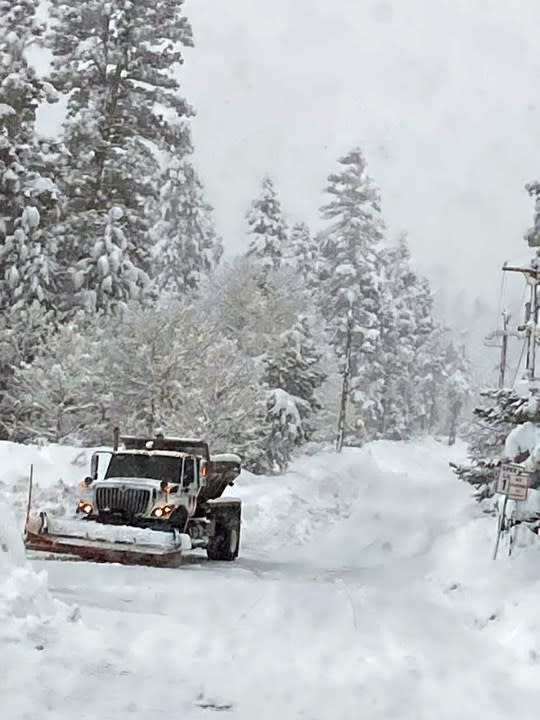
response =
{"points": [[513, 483]]}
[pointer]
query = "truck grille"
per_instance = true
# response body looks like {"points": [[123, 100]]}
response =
{"points": [[125, 500]]}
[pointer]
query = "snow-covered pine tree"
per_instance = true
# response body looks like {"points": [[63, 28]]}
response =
{"points": [[293, 367], [267, 229], [458, 388], [429, 365], [424, 376], [284, 430], [116, 274], [500, 412], [399, 340], [186, 245], [20, 94], [27, 193], [303, 253], [116, 60], [351, 278], [28, 196]]}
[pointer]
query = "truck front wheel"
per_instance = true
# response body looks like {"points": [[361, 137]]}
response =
{"points": [[225, 543]]}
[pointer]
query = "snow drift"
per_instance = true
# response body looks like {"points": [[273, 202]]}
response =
{"points": [[46, 651], [58, 471], [28, 614]]}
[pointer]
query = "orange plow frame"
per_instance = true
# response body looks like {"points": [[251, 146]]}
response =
{"points": [[101, 551]]}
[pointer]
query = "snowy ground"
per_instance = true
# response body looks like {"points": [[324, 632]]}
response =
{"points": [[365, 589]]}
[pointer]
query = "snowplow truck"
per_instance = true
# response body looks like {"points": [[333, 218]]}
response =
{"points": [[147, 503]]}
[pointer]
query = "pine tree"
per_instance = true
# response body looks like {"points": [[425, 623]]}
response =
{"points": [[284, 432], [304, 255], [28, 196], [501, 411], [268, 230], [27, 193], [293, 366], [458, 388], [431, 383], [421, 374], [429, 366], [186, 245], [116, 60], [399, 340], [116, 278], [351, 279]]}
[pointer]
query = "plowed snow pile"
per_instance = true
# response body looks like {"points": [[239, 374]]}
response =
{"points": [[58, 471], [42, 664], [365, 589], [31, 621]]}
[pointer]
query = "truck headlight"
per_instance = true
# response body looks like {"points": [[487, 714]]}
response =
{"points": [[85, 507], [162, 512]]}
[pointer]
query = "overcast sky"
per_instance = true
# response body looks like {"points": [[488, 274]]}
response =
{"points": [[441, 95]]}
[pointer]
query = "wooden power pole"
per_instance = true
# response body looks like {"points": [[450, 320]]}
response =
{"points": [[492, 340], [346, 384], [530, 326]]}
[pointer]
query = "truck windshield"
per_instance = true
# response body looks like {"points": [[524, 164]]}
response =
{"points": [[156, 467]]}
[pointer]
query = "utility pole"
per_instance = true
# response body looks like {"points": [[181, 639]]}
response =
{"points": [[530, 326], [346, 384], [504, 334]]}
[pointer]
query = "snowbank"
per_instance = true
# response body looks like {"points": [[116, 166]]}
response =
{"points": [[58, 471], [359, 507], [32, 623], [49, 659], [26, 608]]}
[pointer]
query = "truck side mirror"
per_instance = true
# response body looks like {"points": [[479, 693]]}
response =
{"points": [[94, 466]]}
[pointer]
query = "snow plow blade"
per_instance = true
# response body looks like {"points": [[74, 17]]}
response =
{"points": [[89, 541]]}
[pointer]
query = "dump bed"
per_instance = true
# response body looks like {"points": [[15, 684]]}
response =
{"points": [[222, 471]]}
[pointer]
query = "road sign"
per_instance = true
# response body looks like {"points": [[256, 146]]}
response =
{"points": [[513, 482]]}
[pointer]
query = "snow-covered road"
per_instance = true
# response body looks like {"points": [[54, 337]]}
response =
{"points": [[364, 590]]}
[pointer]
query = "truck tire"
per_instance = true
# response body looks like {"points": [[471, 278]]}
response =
{"points": [[225, 543]]}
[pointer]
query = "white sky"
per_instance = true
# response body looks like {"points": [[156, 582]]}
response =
{"points": [[441, 94]]}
